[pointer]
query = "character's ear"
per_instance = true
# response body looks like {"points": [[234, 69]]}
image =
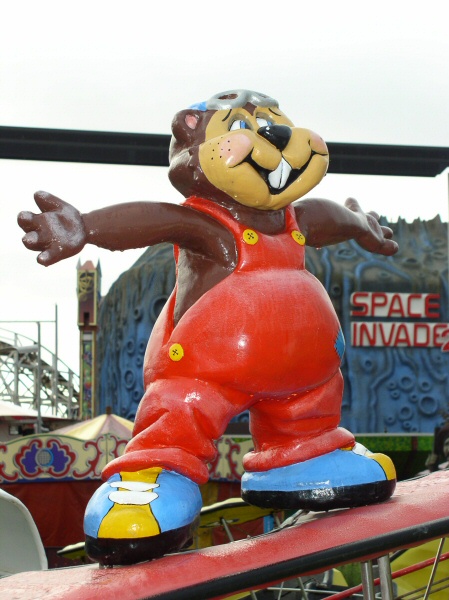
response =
{"points": [[185, 124]]}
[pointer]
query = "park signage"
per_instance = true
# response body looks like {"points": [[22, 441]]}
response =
{"points": [[388, 319]]}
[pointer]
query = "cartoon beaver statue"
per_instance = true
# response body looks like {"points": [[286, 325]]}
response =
{"points": [[246, 327]]}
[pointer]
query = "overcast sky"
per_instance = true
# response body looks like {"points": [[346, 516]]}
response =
{"points": [[351, 71]]}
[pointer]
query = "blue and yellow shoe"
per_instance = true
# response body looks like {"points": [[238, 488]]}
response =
{"points": [[341, 479], [139, 516]]}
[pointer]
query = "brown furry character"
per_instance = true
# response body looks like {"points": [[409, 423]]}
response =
{"points": [[245, 328]]}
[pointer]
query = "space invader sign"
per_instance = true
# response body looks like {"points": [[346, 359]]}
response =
{"points": [[418, 328]]}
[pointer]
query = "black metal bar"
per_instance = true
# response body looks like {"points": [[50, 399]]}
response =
{"points": [[379, 159], [63, 145]]}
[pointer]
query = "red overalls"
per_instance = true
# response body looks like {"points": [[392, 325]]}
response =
{"points": [[264, 339]]}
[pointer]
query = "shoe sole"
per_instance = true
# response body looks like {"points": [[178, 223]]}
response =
{"points": [[116, 551], [322, 499]]}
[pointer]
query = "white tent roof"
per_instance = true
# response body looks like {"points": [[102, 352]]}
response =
{"points": [[8, 410]]}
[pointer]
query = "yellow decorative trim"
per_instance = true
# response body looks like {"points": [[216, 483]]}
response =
{"points": [[128, 521], [86, 283], [386, 463], [146, 475]]}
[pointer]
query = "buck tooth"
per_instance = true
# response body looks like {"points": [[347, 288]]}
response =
{"points": [[286, 169], [279, 176], [275, 176]]}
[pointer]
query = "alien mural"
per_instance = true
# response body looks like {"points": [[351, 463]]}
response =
{"points": [[246, 328]]}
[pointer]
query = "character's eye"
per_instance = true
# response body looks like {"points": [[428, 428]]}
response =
{"points": [[263, 122], [239, 124]]}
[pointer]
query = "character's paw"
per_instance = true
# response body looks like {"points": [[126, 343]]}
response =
{"points": [[341, 479], [138, 516]]}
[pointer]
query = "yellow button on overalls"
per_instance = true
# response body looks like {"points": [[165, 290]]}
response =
{"points": [[250, 237], [176, 352], [298, 237]]}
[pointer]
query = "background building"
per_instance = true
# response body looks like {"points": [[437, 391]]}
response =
{"points": [[393, 311]]}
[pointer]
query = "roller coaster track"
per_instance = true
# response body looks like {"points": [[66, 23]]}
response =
{"points": [[31, 376]]}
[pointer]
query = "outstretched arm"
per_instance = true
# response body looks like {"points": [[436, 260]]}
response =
{"points": [[61, 231], [324, 222]]}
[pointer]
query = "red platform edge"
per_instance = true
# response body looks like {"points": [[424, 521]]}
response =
{"points": [[417, 512]]}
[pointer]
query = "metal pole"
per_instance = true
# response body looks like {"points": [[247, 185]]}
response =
{"points": [[386, 582], [55, 366], [39, 379], [16, 376], [434, 568], [69, 401], [367, 580]]}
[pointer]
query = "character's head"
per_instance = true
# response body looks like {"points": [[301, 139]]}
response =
{"points": [[240, 145]]}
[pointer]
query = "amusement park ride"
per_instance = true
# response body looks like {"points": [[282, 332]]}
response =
{"points": [[26, 366], [246, 328]]}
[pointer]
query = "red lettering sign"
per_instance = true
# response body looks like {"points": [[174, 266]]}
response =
{"points": [[395, 305], [393, 334], [421, 335], [359, 301], [410, 299], [432, 306]]}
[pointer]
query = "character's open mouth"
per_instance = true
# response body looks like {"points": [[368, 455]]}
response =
{"points": [[283, 176]]}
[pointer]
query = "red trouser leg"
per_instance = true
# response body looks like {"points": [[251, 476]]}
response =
{"points": [[297, 428], [176, 425]]}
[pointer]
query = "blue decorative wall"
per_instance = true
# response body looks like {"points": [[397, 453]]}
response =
{"points": [[395, 390]]}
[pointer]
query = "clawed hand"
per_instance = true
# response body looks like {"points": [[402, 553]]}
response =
{"points": [[376, 238], [57, 232]]}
